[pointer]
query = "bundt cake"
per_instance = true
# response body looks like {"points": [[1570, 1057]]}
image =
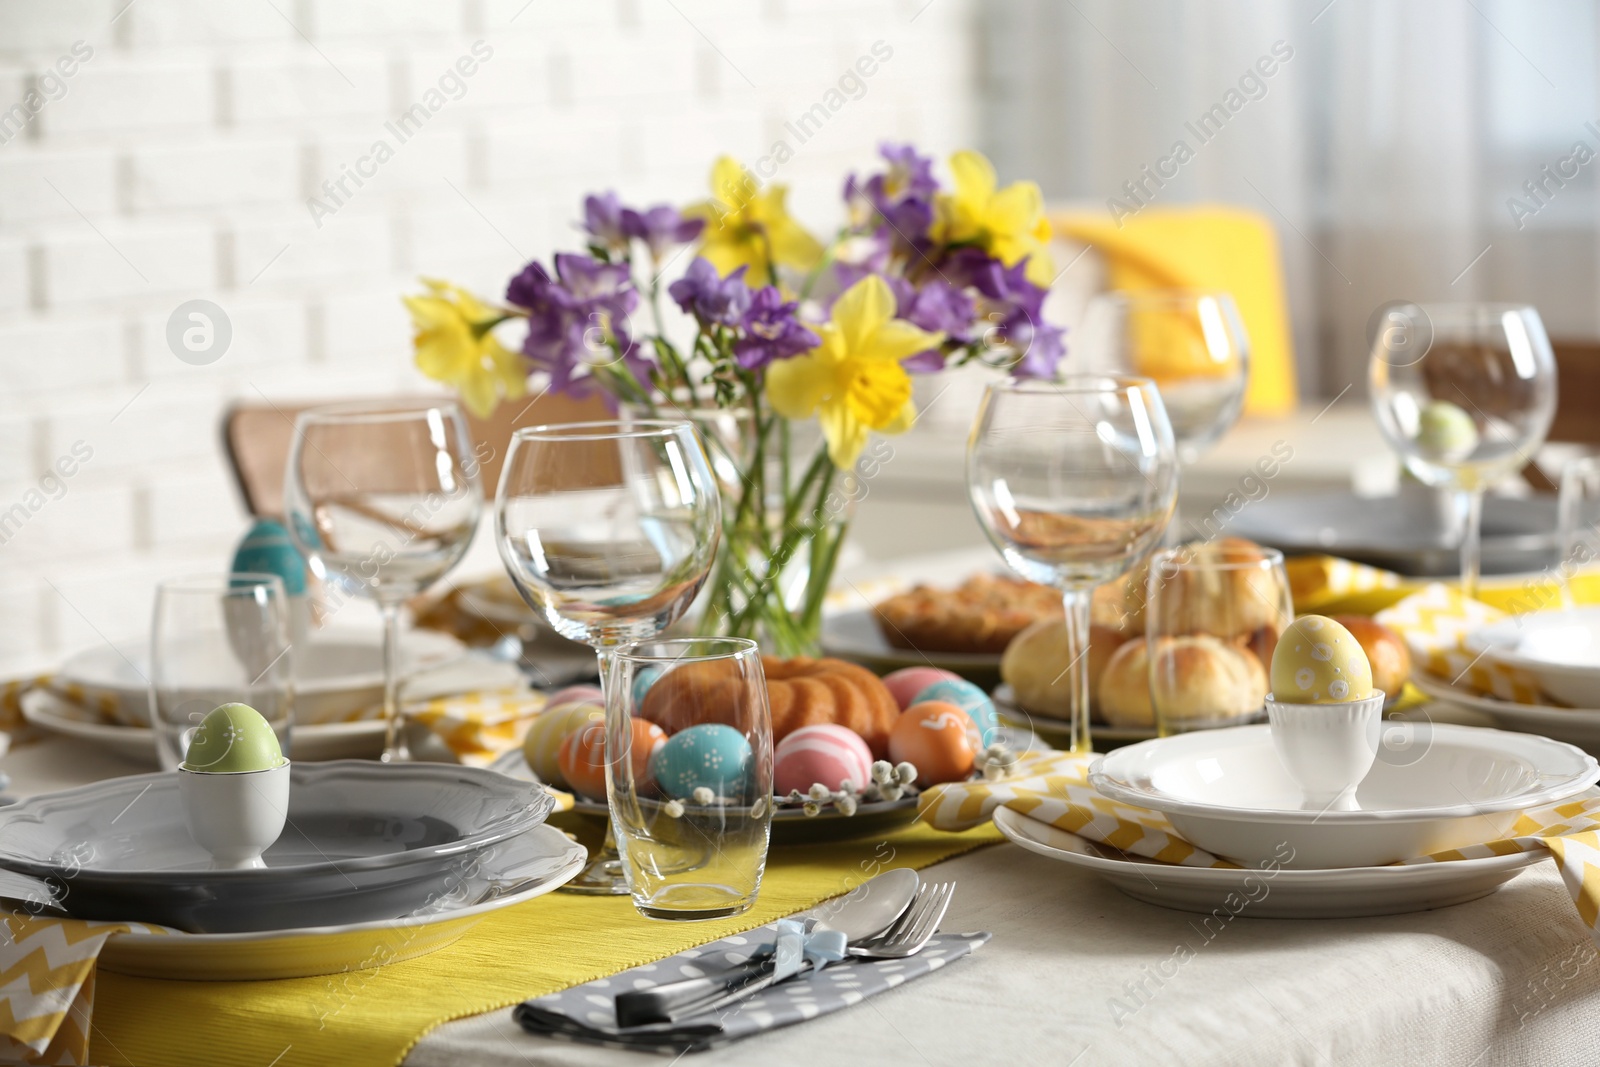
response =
{"points": [[800, 691]]}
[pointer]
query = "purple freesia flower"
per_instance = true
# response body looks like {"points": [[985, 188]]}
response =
{"points": [[660, 227], [603, 218], [709, 297], [771, 331], [578, 320], [902, 196], [1015, 308]]}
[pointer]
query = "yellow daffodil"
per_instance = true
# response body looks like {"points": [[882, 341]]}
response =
{"points": [[1007, 223], [853, 381], [456, 346], [748, 225]]}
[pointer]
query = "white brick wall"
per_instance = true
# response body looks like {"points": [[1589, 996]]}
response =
{"points": [[177, 163]]}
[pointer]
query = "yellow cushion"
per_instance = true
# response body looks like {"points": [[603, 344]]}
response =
{"points": [[1205, 247]]}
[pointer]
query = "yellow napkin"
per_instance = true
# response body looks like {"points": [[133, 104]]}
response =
{"points": [[1435, 623], [1328, 585], [47, 985], [1053, 787], [479, 726]]}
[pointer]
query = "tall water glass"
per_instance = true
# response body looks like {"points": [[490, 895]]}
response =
{"points": [[219, 639], [383, 498], [1578, 520], [691, 812], [1074, 481]]}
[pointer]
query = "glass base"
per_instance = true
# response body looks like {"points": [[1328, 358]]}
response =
{"points": [[602, 878], [703, 915]]}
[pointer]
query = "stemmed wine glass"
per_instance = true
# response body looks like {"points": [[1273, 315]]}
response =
{"points": [[383, 498], [1073, 481], [1191, 343], [608, 530], [1465, 393]]}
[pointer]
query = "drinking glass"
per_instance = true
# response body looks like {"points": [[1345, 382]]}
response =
{"points": [[1192, 344], [1578, 519], [1073, 481], [608, 530], [219, 639], [1465, 394], [1213, 615], [692, 813], [383, 498]]}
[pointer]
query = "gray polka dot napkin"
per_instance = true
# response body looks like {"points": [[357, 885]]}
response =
{"points": [[587, 1012]]}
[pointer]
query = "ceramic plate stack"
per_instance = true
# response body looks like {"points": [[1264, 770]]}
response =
{"points": [[1435, 787], [366, 849]]}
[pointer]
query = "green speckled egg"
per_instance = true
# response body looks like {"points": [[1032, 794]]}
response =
{"points": [[1446, 431], [233, 739], [1318, 661]]}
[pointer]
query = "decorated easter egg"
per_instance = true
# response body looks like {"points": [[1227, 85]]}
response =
{"points": [[267, 549], [905, 683], [1445, 431], [232, 739], [936, 738], [541, 745], [970, 699], [710, 754], [583, 756], [830, 754], [643, 678], [1318, 661], [578, 694]]}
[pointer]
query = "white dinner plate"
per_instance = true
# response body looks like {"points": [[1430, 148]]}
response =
{"points": [[526, 866], [1559, 648], [338, 674], [311, 743], [1272, 894], [1434, 787], [854, 636], [1575, 726]]}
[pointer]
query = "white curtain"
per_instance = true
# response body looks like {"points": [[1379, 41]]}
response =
{"points": [[1387, 149]]}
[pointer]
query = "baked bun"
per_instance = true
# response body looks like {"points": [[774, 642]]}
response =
{"points": [[982, 615], [1222, 601], [1386, 652], [1035, 665], [1199, 677]]}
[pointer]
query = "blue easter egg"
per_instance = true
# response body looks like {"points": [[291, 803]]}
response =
{"points": [[711, 755], [970, 699], [267, 549], [643, 678]]}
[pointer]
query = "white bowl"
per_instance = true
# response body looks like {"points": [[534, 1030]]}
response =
{"points": [[1434, 787], [1561, 649]]}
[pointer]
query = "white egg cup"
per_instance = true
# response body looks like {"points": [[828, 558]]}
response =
{"points": [[1327, 748], [237, 815]]}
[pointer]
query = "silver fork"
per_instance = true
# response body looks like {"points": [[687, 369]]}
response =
{"points": [[905, 937]]}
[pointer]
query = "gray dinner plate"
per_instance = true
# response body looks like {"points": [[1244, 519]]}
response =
{"points": [[1406, 533], [362, 841]]}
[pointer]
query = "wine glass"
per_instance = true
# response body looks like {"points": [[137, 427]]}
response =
{"points": [[1465, 393], [608, 530], [382, 498], [1073, 481], [1192, 344], [219, 639]]}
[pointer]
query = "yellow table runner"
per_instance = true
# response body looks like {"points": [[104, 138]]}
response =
{"points": [[375, 1016]]}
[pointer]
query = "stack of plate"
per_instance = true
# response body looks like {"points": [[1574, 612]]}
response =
{"points": [[367, 849], [1225, 791], [1560, 651]]}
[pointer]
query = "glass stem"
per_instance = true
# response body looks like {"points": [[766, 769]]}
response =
{"points": [[1076, 602], [394, 743], [1472, 543]]}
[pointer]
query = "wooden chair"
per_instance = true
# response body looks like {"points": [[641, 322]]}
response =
{"points": [[256, 438]]}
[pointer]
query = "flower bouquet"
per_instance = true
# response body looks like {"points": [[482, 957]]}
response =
{"points": [[770, 336]]}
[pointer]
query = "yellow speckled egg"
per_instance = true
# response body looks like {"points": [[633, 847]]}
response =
{"points": [[541, 745], [1318, 661]]}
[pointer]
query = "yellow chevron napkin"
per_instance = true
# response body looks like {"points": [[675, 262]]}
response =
{"points": [[1435, 623], [477, 727], [1054, 788], [47, 985]]}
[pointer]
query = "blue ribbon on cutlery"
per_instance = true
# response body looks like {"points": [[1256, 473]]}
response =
{"points": [[794, 945]]}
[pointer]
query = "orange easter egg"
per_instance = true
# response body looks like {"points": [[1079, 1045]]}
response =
{"points": [[583, 756], [938, 739]]}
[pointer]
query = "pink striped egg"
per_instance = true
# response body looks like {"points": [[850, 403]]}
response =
{"points": [[577, 694], [828, 754], [905, 683]]}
